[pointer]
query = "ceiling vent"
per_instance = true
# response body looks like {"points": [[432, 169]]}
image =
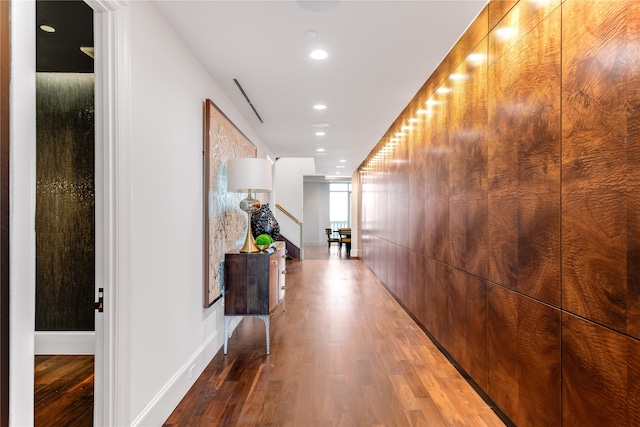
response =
{"points": [[248, 100]]}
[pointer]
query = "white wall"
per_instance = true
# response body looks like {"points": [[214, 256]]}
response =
{"points": [[289, 181], [170, 329], [22, 216], [316, 212]]}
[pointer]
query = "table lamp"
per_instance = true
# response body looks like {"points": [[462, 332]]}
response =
{"points": [[247, 175]]}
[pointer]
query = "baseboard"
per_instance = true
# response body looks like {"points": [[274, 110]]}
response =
{"points": [[64, 342], [163, 404]]}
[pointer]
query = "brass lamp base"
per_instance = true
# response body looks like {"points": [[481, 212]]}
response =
{"points": [[249, 205], [249, 245]]}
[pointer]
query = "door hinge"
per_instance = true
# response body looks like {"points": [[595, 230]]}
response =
{"points": [[99, 304]]}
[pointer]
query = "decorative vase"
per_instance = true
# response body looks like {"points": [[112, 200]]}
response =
{"points": [[264, 222]]}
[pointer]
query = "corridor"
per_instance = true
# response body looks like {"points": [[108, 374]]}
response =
{"points": [[344, 353]]}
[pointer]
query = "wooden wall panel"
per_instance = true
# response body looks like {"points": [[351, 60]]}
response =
{"points": [[600, 375], [516, 24], [497, 10], [524, 164], [524, 358], [401, 191], [469, 41], [417, 171], [601, 142], [436, 291], [561, 176], [417, 274], [468, 324], [405, 293], [467, 102]]}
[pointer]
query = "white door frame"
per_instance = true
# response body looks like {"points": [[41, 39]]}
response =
{"points": [[112, 386]]}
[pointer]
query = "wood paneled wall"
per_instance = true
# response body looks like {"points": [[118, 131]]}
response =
{"points": [[502, 208]]}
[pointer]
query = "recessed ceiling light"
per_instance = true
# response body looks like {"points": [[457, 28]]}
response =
{"points": [[342, 161], [47, 28], [320, 150], [310, 33], [320, 107], [320, 133], [340, 166], [319, 54], [319, 124]]}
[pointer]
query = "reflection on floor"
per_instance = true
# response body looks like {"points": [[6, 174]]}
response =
{"points": [[322, 252], [63, 391]]}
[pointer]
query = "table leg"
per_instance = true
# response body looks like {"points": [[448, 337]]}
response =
{"points": [[227, 321], [266, 321]]}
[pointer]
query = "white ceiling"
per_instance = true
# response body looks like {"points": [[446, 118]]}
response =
{"points": [[380, 54]]}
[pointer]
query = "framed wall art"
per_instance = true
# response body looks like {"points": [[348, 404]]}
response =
{"points": [[224, 222]]}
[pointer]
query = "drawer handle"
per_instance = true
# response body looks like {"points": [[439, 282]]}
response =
{"points": [[284, 271], [274, 262]]}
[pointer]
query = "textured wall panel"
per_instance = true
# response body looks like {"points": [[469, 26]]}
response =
{"points": [[468, 324], [600, 375], [601, 146], [548, 220], [524, 358], [65, 202], [467, 102], [524, 164]]}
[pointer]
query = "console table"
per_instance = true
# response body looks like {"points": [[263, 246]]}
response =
{"points": [[254, 285]]}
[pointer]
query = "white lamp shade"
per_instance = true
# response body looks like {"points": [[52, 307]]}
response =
{"points": [[249, 175]]}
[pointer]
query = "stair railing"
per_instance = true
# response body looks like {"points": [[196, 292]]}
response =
{"points": [[297, 221]]}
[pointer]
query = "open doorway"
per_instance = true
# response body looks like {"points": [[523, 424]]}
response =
{"points": [[65, 212]]}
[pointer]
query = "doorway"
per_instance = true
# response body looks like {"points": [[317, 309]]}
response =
{"points": [[65, 203]]}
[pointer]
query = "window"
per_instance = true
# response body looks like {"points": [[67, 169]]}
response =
{"points": [[340, 205]]}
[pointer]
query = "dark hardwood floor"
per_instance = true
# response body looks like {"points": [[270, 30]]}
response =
{"points": [[343, 354], [63, 391]]}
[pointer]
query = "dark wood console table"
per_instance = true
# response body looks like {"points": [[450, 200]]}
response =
{"points": [[254, 285]]}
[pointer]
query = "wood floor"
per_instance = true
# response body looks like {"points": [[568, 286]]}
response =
{"points": [[63, 391], [343, 354]]}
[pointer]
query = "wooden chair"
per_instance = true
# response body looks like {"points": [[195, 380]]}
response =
{"points": [[332, 238], [345, 238]]}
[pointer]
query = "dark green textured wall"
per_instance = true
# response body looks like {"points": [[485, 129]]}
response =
{"points": [[65, 202]]}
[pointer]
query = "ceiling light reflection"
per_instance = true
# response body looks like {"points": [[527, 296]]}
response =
{"points": [[476, 57], [505, 33]]}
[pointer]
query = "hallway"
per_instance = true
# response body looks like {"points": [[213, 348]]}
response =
{"points": [[344, 353]]}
